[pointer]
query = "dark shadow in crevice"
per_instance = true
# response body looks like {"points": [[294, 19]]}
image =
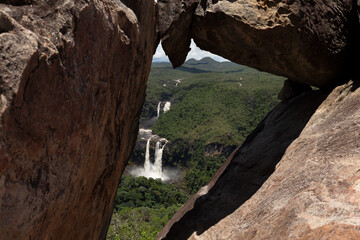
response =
{"points": [[17, 2], [5, 23], [351, 70], [247, 169]]}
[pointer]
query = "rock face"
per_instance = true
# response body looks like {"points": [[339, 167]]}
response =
{"points": [[311, 149], [72, 83], [309, 42], [292, 89]]}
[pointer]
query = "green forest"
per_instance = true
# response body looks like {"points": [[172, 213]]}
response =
{"points": [[142, 207], [212, 103]]}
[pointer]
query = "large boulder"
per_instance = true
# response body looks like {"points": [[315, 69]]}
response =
{"points": [[297, 176], [72, 83], [309, 42]]}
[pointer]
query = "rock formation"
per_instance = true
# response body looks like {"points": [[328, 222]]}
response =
{"points": [[72, 84], [292, 89], [314, 192], [310, 42], [297, 175]]}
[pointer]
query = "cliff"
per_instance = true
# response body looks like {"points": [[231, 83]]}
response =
{"points": [[72, 83], [295, 177]]}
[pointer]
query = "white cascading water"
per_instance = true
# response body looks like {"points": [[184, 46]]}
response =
{"points": [[158, 158], [167, 106], [165, 109], [152, 170], [158, 109], [147, 165]]}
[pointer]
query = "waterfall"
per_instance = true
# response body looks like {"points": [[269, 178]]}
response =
{"points": [[158, 109], [165, 109], [158, 158], [153, 170], [167, 106], [147, 157]]}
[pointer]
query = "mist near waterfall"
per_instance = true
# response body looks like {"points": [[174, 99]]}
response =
{"points": [[154, 168], [169, 174]]}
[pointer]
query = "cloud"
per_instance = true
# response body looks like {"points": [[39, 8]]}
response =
{"points": [[198, 54], [195, 53], [160, 55]]}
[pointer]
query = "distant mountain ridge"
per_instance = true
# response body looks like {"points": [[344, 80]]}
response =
{"points": [[203, 65]]}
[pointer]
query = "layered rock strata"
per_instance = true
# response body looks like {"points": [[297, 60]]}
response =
{"points": [[72, 84], [311, 42], [297, 176]]}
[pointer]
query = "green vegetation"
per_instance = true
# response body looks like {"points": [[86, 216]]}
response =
{"points": [[212, 104], [142, 207], [202, 172], [142, 192], [139, 223], [217, 112], [220, 106]]}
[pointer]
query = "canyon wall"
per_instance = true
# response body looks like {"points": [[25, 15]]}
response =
{"points": [[72, 83]]}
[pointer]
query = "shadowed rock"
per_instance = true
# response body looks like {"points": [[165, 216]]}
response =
{"points": [[307, 41], [292, 89], [246, 170], [72, 84], [175, 18], [17, 2], [314, 191]]}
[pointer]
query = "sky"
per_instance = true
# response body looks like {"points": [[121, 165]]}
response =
{"points": [[195, 52]]}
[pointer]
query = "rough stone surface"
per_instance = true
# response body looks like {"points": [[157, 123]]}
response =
{"points": [[292, 89], [72, 83], [306, 41], [314, 192], [175, 18]]}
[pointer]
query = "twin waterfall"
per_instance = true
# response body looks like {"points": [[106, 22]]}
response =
{"points": [[166, 108], [154, 170]]}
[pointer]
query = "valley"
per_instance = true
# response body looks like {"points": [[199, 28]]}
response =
{"points": [[193, 118]]}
